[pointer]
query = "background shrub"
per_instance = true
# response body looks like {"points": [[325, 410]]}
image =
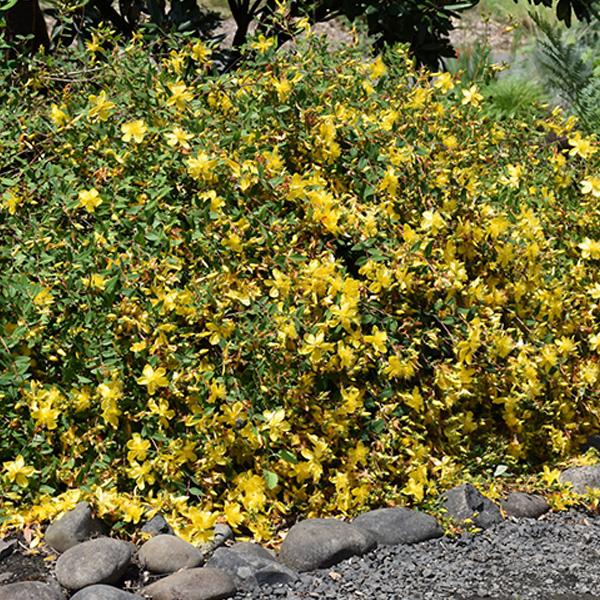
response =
{"points": [[424, 25]]}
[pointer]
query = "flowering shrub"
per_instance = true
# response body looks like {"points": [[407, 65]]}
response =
{"points": [[312, 285]]}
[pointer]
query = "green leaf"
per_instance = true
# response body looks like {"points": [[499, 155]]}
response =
{"points": [[501, 470], [8, 5], [271, 479], [288, 457]]}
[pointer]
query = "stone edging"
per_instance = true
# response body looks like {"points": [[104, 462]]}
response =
{"points": [[91, 565]]}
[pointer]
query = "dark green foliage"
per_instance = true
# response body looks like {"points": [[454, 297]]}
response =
{"points": [[160, 17], [583, 9], [424, 25]]}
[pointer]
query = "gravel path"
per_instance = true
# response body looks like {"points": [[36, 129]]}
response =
{"points": [[554, 558]]}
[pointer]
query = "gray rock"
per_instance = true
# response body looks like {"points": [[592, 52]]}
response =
{"points": [[519, 504], [6, 548], [320, 543], [465, 502], [74, 527], [582, 478], [399, 526], [250, 568], [192, 584], [103, 560], [157, 525], [167, 554], [223, 533], [104, 592], [253, 550], [29, 590]]}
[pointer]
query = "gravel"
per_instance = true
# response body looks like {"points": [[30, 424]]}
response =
{"points": [[555, 557]]}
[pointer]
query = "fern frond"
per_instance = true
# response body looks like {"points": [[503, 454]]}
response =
{"points": [[564, 67]]}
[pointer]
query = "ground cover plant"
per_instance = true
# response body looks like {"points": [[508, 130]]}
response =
{"points": [[314, 284]]}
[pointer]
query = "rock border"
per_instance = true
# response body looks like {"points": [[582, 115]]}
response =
{"points": [[92, 566]]}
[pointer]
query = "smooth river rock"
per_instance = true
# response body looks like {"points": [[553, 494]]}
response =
{"points": [[29, 590], [319, 543], [202, 583], [520, 504], [582, 478], [167, 554], [103, 560], [104, 592], [400, 525], [74, 527]]}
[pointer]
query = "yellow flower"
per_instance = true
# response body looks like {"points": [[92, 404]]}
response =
{"points": [[44, 298], [201, 166], [90, 199], [594, 291], [377, 339], [416, 483], [353, 399], [95, 281], [472, 96], [162, 410], [153, 379], [451, 142], [93, 45], [581, 146], [315, 346], [216, 391], [234, 242], [134, 130], [550, 476], [276, 424], [283, 87], [11, 201], [138, 346], [397, 367], [138, 448], [132, 512], [45, 415], [201, 53], [202, 520], [59, 117], [142, 474], [100, 107], [591, 185], [180, 95], [179, 137], [263, 44], [590, 249], [82, 399], [432, 220], [444, 82], [378, 68], [17, 472], [389, 182], [233, 513], [413, 399], [515, 172]]}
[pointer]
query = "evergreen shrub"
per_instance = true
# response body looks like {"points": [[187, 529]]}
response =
{"points": [[314, 284]]}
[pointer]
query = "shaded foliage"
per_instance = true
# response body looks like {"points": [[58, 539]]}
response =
{"points": [[423, 24]]}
